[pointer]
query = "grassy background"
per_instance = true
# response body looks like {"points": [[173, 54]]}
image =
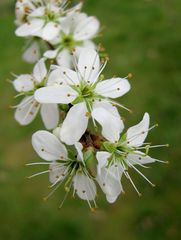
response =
{"points": [[141, 37]]}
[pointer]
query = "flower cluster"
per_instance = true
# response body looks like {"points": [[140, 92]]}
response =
{"points": [[86, 146]]}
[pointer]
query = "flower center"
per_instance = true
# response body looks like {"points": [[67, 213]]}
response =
{"points": [[87, 92], [50, 16], [67, 41]]}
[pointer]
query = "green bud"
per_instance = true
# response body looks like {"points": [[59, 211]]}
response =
{"points": [[64, 107]]}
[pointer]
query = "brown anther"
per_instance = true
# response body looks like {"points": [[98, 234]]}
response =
{"points": [[130, 75], [88, 114]]}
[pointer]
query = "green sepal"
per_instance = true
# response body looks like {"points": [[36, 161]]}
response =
{"points": [[91, 161], [122, 139], [110, 147]]}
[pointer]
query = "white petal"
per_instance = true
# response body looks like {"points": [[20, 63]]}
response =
{"points": [[112, 125], [50, 115], [32, 53], [64, 58], [87, 29], [55, 94], [27, 111], [89, 64], [63, 75], [139, 158], [102, 158], [51, 54], [40, 70], [50, 31], [86, 44], [30, 28], [113, 88], [79, 148], [48, 146], [137, 134], [24, 83], [57, 172], [38, 12], [75, 124], [84, 187], [111, 199], [109, 184]]}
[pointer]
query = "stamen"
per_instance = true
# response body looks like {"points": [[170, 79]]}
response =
{"points": [[65, 197], [128, 176], [153, 185], [92, 67], [119, 105], [99, 73], [37, 163], [37, 174], [52, 192], [154, 146]]}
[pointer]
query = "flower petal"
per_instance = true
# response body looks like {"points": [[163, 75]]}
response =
{"points": [[102, 158], [109, 184], [40, 70], [38, 12], [85, 44], [89, 64], [109, 119], [64, 58], [137, 134], [27, 111], [50, 31], [63, 75], [51, 54], [57, 172], [55, 94], [30, 28], [75, 124], [113, 88], [139, 158], [24, 83], [84, 187], [86, 29], [50, 115], [48, 146], [32, 53], [79, 148]]}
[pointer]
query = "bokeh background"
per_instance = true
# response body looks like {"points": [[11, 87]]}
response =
{"points": [[142, 37]]}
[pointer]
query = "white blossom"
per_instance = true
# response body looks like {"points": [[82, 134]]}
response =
{"points": [[125, 154], [28, 109], [89, 96], [41, 18], [77, 31], [63, 167]]}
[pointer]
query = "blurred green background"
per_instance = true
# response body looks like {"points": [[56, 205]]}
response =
{"points": [[142, 37]]}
